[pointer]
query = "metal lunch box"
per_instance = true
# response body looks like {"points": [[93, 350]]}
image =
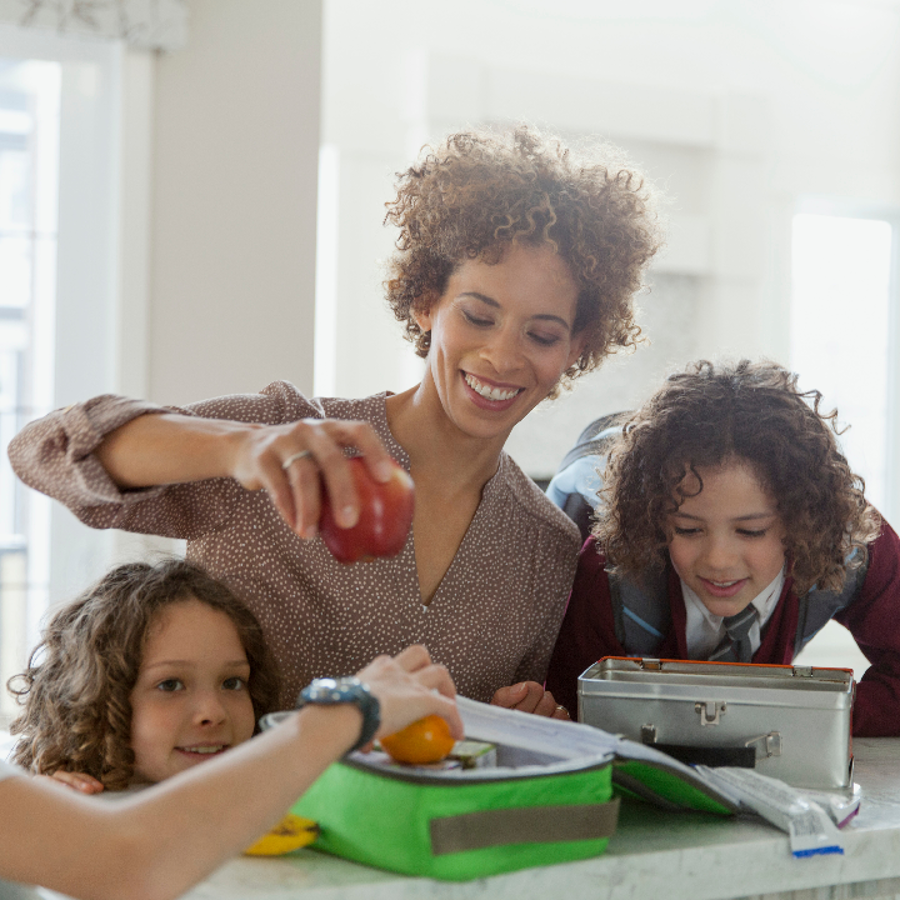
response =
{"points": [[790, 722]]}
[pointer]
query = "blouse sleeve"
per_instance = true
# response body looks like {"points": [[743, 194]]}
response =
{"points": [[56, 455]]}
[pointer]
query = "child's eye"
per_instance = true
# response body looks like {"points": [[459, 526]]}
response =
{"points": [[685, 532], [234, 684], [752, 532], [170, 684]]}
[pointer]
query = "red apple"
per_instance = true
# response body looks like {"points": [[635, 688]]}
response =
{"points": [[385, 514]]}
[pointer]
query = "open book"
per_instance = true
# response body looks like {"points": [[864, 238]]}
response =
{"points": [[639, 769]]}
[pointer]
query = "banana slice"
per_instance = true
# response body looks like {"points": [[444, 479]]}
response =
{"points": [[291, 833]]}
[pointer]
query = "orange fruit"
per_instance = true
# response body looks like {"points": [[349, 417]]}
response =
{"points": [[426, 740]]}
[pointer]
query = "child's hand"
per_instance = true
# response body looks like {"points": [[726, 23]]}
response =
{"points": [[530, 697], [78, 781], [410, 686]]}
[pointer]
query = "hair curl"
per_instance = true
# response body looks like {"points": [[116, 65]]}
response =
{"points": [[77, 687], [480, 192], [750, 412]]}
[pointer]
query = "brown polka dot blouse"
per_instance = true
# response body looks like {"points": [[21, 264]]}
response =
{"points": [[493, 620]]}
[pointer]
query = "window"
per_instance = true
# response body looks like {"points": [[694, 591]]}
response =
{"points": [[844, 319], [841, 332], [29, 142], [58, 194]]}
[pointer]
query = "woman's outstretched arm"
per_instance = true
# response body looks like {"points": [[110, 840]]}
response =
{"points": [[89, 456]]}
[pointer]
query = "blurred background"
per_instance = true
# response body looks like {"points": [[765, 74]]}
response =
{"points": [[192, 195]]}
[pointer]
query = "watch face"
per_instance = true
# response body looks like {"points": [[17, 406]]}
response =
{"points": [[333, 690], [347, 689], [324, 686]]}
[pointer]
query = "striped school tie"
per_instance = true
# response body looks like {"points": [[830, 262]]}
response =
{"points": [[735, 646]]}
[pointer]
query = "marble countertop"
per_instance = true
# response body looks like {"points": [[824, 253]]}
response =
{"points": [[653, 854]]}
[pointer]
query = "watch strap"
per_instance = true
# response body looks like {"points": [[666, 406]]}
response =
{"points": [[331, 691]]}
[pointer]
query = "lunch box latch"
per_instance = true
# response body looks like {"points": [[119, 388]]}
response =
{"points": [[710, 710], [766, 745]]}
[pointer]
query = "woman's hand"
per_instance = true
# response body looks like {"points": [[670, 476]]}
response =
{"points": [[530, 697], [78, 781], [410, 686], [291, 461]]}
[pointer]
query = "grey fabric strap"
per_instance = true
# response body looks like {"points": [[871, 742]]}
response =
{"points": [[641, 612], [817, 607], [524, 825]]}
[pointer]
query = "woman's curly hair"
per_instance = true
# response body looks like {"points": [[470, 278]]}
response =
{"points": [[750, 412], [77, 687], [478, 193]]}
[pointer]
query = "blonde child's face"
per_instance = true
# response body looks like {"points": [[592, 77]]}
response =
{"points": [[191, 700], [727, 542]]}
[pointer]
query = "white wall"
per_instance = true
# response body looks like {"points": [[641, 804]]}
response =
{"points": [[217, 210], [233, 201]]}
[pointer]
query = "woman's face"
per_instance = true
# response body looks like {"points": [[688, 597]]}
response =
{"points": [[191, 700], [501, 337], [727, 542]]}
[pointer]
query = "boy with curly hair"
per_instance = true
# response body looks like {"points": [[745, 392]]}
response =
{"points": [[732, 528]]}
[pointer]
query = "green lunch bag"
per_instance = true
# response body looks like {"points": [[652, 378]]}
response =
{"points": [[459, 824]]}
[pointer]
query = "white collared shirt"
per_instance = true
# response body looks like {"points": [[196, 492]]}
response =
{"points": [[706, 631]]}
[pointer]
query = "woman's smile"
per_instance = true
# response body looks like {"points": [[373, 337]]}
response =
{"points": [[496, 395]]}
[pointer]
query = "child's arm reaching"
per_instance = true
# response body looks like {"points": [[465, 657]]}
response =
{"points": [[167, 838]]}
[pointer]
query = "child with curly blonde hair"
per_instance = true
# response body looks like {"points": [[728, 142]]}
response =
{"points": [[732, 528], [153, 669]]}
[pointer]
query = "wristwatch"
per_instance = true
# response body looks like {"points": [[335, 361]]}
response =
{"points": [[329, 691]]}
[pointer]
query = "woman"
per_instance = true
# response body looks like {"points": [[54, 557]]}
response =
{"points": [[515, 271]]}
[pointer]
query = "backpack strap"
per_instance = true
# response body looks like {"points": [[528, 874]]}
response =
{"points": [[817, 607], [641, 613], [575, 485], [596, 438]]}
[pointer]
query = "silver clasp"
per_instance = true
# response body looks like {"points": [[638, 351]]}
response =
{"points": [[710, 710], [766, 745]]}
